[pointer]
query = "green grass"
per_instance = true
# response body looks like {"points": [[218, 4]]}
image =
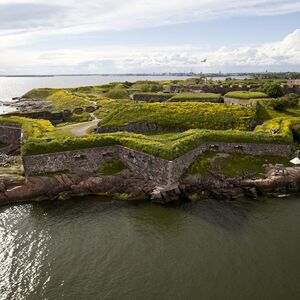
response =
{"points": [[233, 165], [40, 94], [246, 95], [240, 164], [168, 148], [267, 112], [52, 174], [196, 96], [148, 86], [107, 106], [111, 168], [182, 114], [202, 164], [208, 122]]}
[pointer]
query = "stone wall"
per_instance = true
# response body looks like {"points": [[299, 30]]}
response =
{"points": [[89, 160], [220, 100], [219, 89], [85, 160], [10, 133], [150, 167], [150, 97], [144, 127], [54, 117], [160, 171], [181, 164]]}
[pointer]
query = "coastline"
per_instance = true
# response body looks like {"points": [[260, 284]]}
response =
{"points": [[127, 186]]}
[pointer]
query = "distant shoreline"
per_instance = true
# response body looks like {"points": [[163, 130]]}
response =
{"points": [[137, 75]]}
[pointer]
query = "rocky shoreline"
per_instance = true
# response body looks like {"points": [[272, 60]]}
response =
{"points": [[128, 186]]}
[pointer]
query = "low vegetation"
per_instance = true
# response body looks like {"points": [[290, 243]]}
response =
{"points": [[196, 96], [186, 115], [233, 165], [279, 119], [246, 95], [272, 89], [167, 147], [111, 168], [148, 86], [107, 106]]}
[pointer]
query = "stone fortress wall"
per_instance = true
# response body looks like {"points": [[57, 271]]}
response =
{"points": [[143, 127], [10, 133], [54, 117], [160, 171], [224, 89]]}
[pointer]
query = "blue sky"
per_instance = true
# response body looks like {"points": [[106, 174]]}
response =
{"points": [[104, 36]]}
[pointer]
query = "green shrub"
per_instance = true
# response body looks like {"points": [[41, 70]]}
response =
{"points": [[117, 93], [278, 126], [107, 106], [272, 89], [148, 86], [288, 101]]}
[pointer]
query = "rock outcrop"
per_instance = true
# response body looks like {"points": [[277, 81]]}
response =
{"points": [[14, 189]]}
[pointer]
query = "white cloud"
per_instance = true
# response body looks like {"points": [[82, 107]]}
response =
{"points": [[121, 59], [18, 26], [24, 22]]}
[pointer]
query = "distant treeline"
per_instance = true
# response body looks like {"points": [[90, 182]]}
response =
{"points": [[286, 75]]}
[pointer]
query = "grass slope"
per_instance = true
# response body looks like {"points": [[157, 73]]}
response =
{"points": [[188, 115], [233, 165], [196, 96], [246, 95]]}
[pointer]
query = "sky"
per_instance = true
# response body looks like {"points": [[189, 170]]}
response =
{"points": [[137, 36]]}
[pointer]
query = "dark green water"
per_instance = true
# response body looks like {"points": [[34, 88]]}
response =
{"points": [[88, 249]]}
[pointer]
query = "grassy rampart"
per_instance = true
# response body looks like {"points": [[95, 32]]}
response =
{"points": [[246, 95], [189, 115]]}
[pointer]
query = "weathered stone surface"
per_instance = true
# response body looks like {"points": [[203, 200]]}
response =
{"points": [[19, 189], [90, 109], [150, 97], [25, 105], [10, 133], [65, 186], [220, 100], [160, 171], [144, 127], [77, 161]]}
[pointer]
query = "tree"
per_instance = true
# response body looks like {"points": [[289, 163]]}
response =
{"points": [[272, 89]]}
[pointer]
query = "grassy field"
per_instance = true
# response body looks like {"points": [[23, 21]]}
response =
{"points": [[167, 147], [40, 136], [71, 98], [187, 115], [246, 95], [196, 96], [107, 106], [233, 165]]}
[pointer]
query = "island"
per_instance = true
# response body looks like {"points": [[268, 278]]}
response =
{"points": [[162, 141]]}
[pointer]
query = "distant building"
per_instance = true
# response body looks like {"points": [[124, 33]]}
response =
{"points": [[293, 82]]}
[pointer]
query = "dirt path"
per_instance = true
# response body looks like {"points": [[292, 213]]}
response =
{"points": [[80, 129]]}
